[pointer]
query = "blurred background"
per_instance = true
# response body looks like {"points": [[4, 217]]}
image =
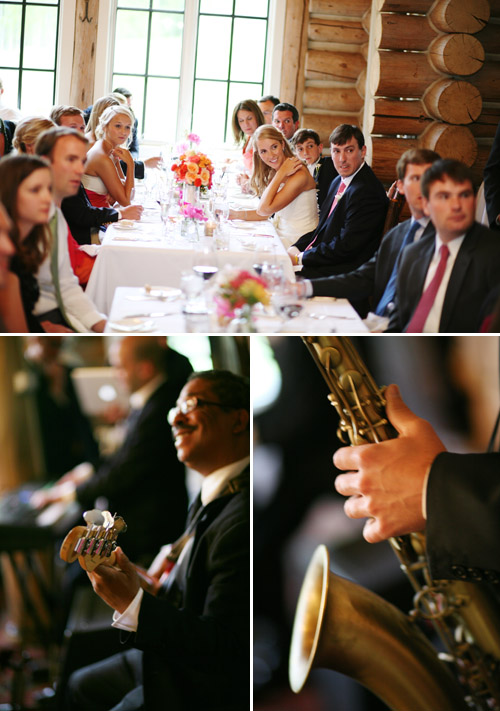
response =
{"points": [[451, 381], [65, 400]]}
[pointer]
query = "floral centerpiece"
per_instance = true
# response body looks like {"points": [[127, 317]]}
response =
{"points": [[193, 167], [236, 293]]}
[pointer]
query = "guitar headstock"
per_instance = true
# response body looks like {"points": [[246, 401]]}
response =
{"points": [[95, 543]]}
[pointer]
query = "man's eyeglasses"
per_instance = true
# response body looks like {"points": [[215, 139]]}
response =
{"points": [[191, 403]]}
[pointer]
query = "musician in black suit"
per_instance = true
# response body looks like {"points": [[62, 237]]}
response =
{"points": [[492, 183], [348, 235], [376, 278], [194, 635], [307, 145], [464, 254], [412, 484], [143, 480]]}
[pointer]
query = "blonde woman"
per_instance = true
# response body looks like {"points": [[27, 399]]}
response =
{"points": [[27, 132], [104, 180], [286, 188]]}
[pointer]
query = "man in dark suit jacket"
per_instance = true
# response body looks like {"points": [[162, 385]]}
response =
{"points": [[7, 129], [376, 278], [492, 183], [133, 479], [194, 635], [307, 145], [350, 234], [472, 268], [453, 497]]}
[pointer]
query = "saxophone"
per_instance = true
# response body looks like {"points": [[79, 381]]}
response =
{"points": [[342, 626]]}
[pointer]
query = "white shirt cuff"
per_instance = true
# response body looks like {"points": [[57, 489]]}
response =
{"points": [[308, 288], [129, 619]]}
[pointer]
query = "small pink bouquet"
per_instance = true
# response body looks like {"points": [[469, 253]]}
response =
{"points": [[192, 212], [238, 290]]}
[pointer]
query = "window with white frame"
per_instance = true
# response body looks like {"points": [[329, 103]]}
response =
{"points": [[28, 53], [188, 63]]}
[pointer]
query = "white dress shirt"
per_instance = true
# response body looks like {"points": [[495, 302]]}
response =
{"points": [[434, 317]]}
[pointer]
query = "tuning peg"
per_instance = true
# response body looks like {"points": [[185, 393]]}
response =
{"points": [[94, 517], [108, 518]]}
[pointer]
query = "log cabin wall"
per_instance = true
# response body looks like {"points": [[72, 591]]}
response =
{"points": [[410, 72]]}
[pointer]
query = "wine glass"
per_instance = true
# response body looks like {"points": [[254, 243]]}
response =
{"points": [[205, 260]]}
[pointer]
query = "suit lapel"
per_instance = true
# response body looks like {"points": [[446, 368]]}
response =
{"points": [[457, 278]]}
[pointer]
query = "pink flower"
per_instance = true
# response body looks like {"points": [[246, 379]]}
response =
{"points": [[194, 138]]}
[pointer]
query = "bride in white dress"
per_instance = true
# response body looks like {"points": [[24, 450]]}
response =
{"points": [[286, 188]]}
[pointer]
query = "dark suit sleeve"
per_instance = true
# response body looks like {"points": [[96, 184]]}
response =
{"points": [[463, 517], [77, 211], [219, 635], [492, 182], [139, 169], [357, 284]]}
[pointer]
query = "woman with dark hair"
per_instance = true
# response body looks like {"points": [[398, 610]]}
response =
{"points": [[26, 193], [103, 174], [286, 188], [247, 117]]}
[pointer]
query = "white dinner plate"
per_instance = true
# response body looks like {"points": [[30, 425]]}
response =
{"points": [[162, 292], [132, 324], [126, 225]]}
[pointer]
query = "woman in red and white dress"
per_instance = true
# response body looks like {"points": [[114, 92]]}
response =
{"points": [[104, 180]]}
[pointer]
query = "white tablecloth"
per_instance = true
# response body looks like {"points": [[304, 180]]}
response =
{"points": [[143, 255], [318, 315]]}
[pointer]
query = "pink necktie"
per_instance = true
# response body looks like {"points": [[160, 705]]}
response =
{"points": [[419, 317], [337, 197]]}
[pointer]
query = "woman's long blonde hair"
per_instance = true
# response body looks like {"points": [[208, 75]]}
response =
{"points": [[262, 173]]}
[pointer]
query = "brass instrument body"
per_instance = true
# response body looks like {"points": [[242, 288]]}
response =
{"points": [[464, 614]]}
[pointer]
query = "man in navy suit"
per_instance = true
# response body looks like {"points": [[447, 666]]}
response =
{"points": [[376, 279], [353, 214], [465, 255]]}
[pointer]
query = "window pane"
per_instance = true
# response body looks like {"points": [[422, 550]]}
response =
{"points": [[237, 93], [10, 22], [134, 3], [10, 79], [214, 41], [37, 93], [258, 8], [46, 2], [166, 44], [209, 110], [40, 37], [131, 42], [136, 86], [245, 65], [168, 5], [217, 7], [161, 109]]}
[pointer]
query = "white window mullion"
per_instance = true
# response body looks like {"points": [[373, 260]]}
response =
{"points": [[189, 39]]}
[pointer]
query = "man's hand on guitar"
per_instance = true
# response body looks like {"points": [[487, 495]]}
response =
{"points": [[117, 585]]}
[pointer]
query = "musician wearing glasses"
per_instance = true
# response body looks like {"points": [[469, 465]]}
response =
{"points": [[189, 631]]}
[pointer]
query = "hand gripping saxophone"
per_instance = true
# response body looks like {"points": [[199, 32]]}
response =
{"points": [[341, 626]]}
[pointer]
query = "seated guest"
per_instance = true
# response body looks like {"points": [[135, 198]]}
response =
{"points": [[7, 249], [62, 305], [143, 479], [444, 280], [7, 129], [266, 105], [151, 162], [27, 132], [286, 119], [247, 117], [82, 217], [307, 145], [492, 183], [376, 278], [70, 116], [103, 174], [189, 634], [353, 214], [26, 193], [284, 185]]}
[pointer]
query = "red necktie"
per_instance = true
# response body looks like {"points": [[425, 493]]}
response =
{"points": [[337, 197], [419, 318]]}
